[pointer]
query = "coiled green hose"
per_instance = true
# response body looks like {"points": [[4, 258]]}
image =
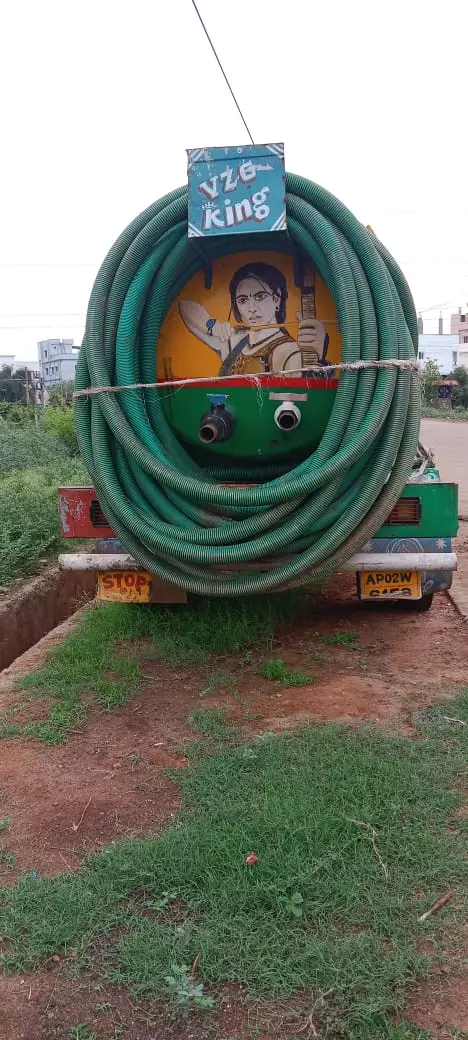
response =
{"points": [[180, 522]]}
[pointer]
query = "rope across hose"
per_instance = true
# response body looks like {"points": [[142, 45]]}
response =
{"points": [[182, 523]]}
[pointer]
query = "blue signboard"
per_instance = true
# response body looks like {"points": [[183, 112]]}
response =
{"points": [[234, 191]]}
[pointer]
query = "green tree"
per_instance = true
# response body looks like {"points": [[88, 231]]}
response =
{"points": [[430, 379], [460, 397]]}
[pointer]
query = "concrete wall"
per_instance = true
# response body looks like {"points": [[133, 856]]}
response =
{"points": [[459, 326], [443, 350]]}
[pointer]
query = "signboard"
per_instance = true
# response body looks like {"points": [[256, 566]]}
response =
{"points": [[236, 190]]}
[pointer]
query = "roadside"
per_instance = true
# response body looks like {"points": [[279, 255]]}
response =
{"points": [[449, 442]]}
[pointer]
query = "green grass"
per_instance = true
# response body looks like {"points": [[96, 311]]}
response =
{"points": [[358, 823], [443, 718], [7, 859], [218, 678], [81, 1032], [204, 628], [347, 639], [91, 667], [449, 414], [29, 523], [278, 672], [214, 730], [23, 446], [36, 450]]}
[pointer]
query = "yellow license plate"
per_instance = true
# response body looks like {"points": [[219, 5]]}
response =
{"points": [[124, 586], [388, 584]]}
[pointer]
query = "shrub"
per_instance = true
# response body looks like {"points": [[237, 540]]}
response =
{"points": [[23, 446], [60, 420], [29, 524]]}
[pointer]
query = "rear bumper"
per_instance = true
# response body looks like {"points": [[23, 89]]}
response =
{"points": [[433, 579], [432, 562]]}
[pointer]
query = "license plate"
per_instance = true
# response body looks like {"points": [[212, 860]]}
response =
{"points": [[390, 584], [124, 586]]}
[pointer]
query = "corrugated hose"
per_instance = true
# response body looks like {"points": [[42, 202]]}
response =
{"points": [[182, 522]]}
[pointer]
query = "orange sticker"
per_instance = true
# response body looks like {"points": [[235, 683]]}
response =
{"points": [[124, 586]]}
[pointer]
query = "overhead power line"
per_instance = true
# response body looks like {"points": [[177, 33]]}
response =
{"points": [[32, 328], [27, 263], [223, 72], [44, 314]]}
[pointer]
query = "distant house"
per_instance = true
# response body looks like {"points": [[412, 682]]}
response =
{"points": [[7, 360], [57, 361], [459, 327], [441, 348]]}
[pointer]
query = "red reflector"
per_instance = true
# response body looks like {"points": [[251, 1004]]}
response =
{"points": [[406, 511]]}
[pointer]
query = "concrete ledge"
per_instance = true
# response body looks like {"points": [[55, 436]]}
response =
{"points": [[36, 608]]}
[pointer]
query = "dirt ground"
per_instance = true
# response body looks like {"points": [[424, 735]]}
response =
{"points": [[110, 777]]}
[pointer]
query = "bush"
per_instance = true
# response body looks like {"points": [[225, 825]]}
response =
{"points": [[36, 449], [60, 420], [18, 414], [430, 379], [23, 446], [29, 523], [62, 394]]}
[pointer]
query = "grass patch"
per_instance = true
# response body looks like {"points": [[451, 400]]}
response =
{"points": [[352, 844], [447, 414], [89, 667], [220, 627], [278, 672], [347, 639], [215, 732], [81, 1032], [220, 678], [7, 859], [213, 723], [445, 718]]}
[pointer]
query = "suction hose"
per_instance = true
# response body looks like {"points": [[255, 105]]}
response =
{"points": [[181, 522]]}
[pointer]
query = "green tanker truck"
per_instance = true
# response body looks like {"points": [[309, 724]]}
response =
{"points": [[248, 403]]}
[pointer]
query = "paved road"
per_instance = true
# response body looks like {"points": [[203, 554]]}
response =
{"points": [[449, 442]]}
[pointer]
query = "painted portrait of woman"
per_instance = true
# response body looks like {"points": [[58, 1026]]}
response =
{"points": [[258, 340]]}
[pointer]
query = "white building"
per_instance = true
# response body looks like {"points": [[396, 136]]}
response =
{"points": [[445, 350], [7, 360], [32, 367], [57, 361], [459, 327]]}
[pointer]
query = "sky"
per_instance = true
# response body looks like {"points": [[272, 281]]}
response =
{"points": [[100, 100]]}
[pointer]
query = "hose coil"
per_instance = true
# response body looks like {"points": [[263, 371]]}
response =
{"points": [[182, 523]]}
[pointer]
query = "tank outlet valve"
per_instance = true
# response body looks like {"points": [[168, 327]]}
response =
{"points": [[217, 424], [287, 416]]}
